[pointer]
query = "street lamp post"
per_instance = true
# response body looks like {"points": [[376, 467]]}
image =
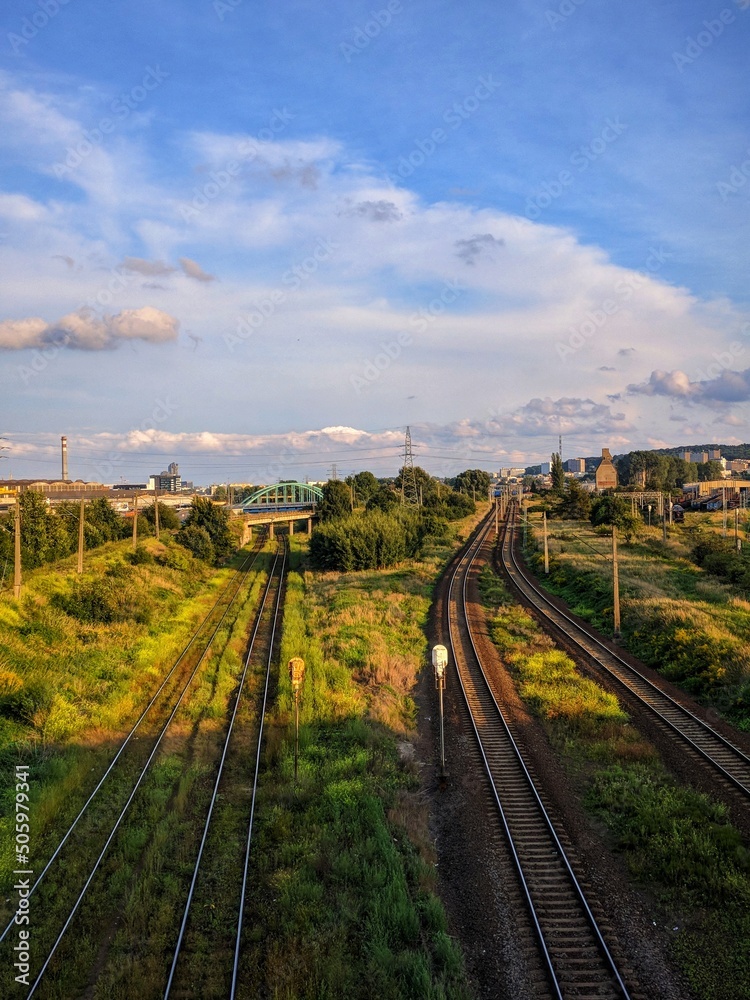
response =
{"points": [[439, 663]]}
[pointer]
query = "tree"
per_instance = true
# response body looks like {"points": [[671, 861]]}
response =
{"points": [[384, 498], [474, 482], [575, 501], [198, 541], [558, 474], [215, 520], [336, 502], [612, 509], [365, 485], [428, 489], [102, 516], [168, 518], [709, 470]]}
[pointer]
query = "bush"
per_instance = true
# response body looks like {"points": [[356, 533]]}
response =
{"points": [[198, 541], [110, 599], [370, 540], [140, 557]]}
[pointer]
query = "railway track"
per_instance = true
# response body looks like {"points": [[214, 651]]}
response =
{"points": [[182, 672], [722, 755], [273, 623], [574, 953], [194, 654]]}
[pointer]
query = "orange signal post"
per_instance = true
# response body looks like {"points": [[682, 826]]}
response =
{"points": [[297, 675]]}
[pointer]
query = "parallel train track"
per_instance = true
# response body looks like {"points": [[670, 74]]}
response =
{"points": [[727, 759], [575, 955], [199, 645]]}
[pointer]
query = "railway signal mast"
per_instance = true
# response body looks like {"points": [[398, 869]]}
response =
{"points": [[440, 662]]}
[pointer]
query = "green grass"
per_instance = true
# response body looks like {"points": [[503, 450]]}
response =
{"points": [[676, 617], [677, 844], [343, 862]]}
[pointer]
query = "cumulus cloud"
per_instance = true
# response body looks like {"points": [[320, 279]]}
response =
{"points": [[84, 330], [727, 387], [482, 244]]}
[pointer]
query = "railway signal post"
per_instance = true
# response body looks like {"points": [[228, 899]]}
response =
{"points": [[439, 663], [297, 675]]}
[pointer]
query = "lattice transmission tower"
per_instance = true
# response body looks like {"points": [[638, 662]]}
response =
{"points": [[409, 488]]}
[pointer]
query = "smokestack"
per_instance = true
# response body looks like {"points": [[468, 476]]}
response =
{"points": [[64, 449]]}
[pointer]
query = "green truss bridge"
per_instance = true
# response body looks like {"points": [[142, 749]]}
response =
{"points": [[281, 497]]}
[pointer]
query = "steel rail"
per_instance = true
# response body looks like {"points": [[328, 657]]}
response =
{"points": [[225, 749], [242, 569], [735, 766], [132, 795], [554, 951], [238, 938]]}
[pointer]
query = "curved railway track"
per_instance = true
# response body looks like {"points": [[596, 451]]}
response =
{"points": [[575, 955], [202, 638], [712, 747]]}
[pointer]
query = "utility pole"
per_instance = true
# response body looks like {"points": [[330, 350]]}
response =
{"points": [[17, 549], [497, 509], [737, 542], [135, 523], [80, 538], [664, 527], [546, 546], [615, 583], [156, 514], [724, 510]]}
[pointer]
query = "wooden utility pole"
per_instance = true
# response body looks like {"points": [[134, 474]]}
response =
{"points": [[156, 514], [17, 549], [546, 546], [80, 537], [297, 677], [724, 510], [664, 527], [135, 523], [615, 583], [497, 511]]}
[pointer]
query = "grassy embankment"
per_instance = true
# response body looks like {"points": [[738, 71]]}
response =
{"points": [[685, 622], [343, 866], [71, 683], [677, 844]]}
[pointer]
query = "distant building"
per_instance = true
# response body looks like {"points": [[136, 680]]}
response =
{"points": [[545, 468], [575, 465], [701, 457], [513, 472], [606, 473], [165, 482]]}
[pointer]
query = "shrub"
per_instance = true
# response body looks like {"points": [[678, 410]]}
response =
{"points": [[105, 600], [198, 541]]}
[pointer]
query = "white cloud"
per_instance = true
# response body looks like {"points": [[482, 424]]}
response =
{"points": [[85, 331]]}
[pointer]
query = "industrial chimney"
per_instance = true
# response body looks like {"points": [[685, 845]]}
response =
{"points": [[64, 449]]}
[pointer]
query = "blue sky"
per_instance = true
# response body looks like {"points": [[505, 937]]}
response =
{"points": [[258, 239]]}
